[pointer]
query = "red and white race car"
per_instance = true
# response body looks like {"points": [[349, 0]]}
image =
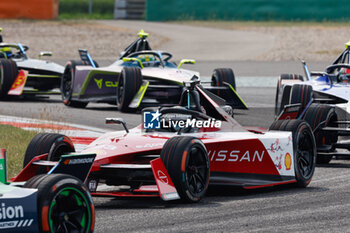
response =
{"points": [[178, 151]]}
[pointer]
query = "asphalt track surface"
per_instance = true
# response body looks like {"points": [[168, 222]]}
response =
{"points": [[321, 207]]}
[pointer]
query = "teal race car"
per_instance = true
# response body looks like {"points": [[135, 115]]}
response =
{"points": [[56, 201]]}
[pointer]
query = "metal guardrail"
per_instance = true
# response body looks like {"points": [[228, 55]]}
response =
{"points": [[129, 9]]}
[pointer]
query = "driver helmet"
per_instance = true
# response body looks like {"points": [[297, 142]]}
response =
{"points": [[344, 71], [146, 57], [6, 52]]}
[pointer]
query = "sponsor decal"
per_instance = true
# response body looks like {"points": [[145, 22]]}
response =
{"points": [[12, 217], [275, 146], [151, 120], [236, 156], [78, 161], [278, 162], [287, 161], [162, 177], [111, 84], [99, 83], [21, 78], [92, 185]]}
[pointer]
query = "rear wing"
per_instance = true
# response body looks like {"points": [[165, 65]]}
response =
{"points": [[78, 165], [75, 165]]}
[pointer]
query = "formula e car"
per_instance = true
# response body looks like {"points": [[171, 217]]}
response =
{"points": [[322, 99], [140, 77], [54, 202], [21, 75], [178, 151]]}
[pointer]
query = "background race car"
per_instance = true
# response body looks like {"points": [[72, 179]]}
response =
{"points": [[178, 151], [21, 75], [322, 99], [54, 202], [140, 77]]}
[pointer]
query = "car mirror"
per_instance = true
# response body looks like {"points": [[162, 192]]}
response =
{"points": [[128, 59], [117, 121], [186, 61], [45, 53]]}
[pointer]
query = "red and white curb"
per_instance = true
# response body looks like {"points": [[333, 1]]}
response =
{"points": [[81, 135]]}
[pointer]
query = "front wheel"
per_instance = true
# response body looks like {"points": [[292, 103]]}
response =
{"points": [[63, 203], [186, 160], [8, 74], [129, 82], [282, 95], [53, 144], [67, 82], [320, 116], [304, 148], [222, 75]]}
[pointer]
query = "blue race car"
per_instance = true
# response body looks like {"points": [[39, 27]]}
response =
{"points": [[54, 202], [321, 99]]}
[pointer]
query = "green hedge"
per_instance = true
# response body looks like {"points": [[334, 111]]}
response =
{"points": [[80, 9], [277, 10]]}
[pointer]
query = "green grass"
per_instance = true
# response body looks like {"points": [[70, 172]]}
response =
{"points": [[79, 9], [15, 141]]}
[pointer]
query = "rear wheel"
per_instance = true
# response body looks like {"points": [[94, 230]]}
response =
{"points": [[279, 103], [222, 75], [67, 85], [320, 116], [129, 82], [304, 148], [53, 144], [63, 204], [8, 74], [186, 160]]}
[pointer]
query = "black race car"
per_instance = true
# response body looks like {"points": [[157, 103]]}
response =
{"points": [[21, 75]]}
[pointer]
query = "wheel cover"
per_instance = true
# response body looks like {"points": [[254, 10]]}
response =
{"points": [[305, 154], [70, 212], [197, 171]]}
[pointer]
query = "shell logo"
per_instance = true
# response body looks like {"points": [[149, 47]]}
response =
{"points": [[19, 81], [287, 161]]}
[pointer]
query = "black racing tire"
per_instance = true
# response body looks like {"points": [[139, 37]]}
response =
{"points": [[279, 107], [301, 94], [221, 75], [8, 74], [186, 160], [67, 84], [33, 181], [53, 144], [129, 82], [319, 116], [63, 201], [304, 148]]}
